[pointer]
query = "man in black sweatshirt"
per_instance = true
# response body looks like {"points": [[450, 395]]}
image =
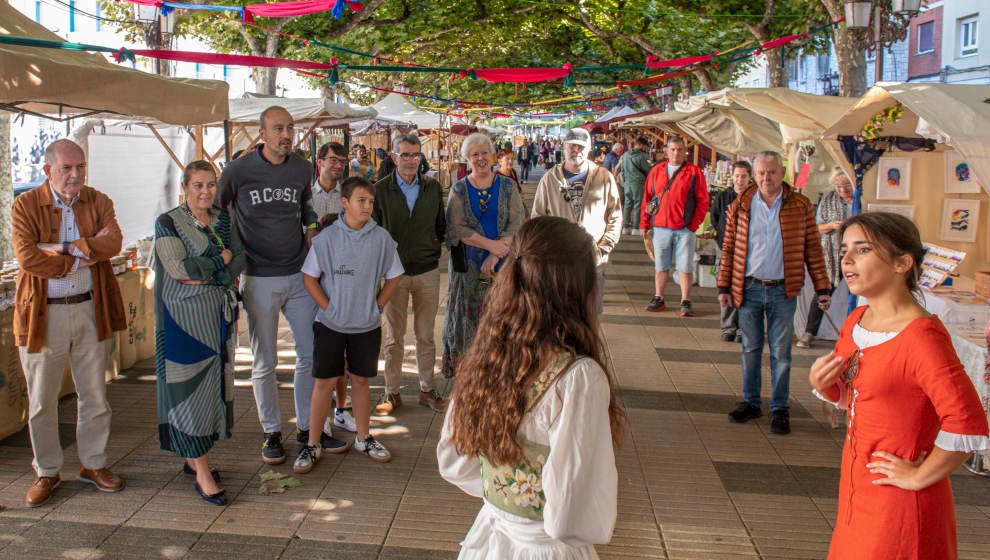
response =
{"points": [[410, 206], [267, 191]]}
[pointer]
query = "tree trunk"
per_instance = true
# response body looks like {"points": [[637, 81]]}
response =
{"points": [[775, 68], [775, 57], [851, 61], [686, 85], [6, 189], [705, 79], [264, 79]]}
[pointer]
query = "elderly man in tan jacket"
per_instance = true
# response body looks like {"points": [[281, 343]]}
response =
{"points": [[68, 305], [585, 193]]}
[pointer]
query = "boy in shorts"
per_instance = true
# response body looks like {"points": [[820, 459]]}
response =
{"points": [[342, 273]]}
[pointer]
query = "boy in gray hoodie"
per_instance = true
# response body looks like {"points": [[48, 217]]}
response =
{"points": [[342, 273]]}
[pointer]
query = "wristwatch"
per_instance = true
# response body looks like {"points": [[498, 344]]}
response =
{"points": [[65, 247]]}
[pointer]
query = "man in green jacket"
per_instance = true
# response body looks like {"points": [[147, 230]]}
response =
{"points": [[410, 206], [635, 166]]}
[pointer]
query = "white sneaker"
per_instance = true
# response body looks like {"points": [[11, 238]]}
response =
{"points": [[370, 447], [309, 455], [343, 419]]}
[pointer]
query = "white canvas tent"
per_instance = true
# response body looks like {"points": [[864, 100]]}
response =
{"points": [[69, 84], [616, 112], [395, 106], [954, 114], [304, 111]]}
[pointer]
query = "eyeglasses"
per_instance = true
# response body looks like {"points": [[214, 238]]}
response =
{"points": [[337, 160], [408, 156]]}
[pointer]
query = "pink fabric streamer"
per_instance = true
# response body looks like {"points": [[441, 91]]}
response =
{"points": [[781, 41], [523, 74], [232, 59], [676, 62], [287, 9]]}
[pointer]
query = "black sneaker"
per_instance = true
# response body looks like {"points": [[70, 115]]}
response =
{"points": [[272, 451], [686, 310], [328, 443], [331, 444], [745, 412], [728, 337], [656, 304], [780, 422]]}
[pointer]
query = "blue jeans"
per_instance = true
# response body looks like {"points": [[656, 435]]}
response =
{"points": [[772, 305]]}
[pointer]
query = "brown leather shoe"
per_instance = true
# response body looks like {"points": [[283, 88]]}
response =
{"points": [[433, 400], [41, 490], [103, 479], [389, 403]]}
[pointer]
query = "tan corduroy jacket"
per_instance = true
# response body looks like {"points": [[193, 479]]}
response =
{"points": [[37, 220], [800, 239], [602, 215]]}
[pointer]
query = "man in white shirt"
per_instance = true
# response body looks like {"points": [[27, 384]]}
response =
{"points": [[331, 161]]}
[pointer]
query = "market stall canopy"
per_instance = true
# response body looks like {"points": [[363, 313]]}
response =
{"points": [[312, 110], [953, 114], [616, 112], [395, 106], [801, 116], [75, 83], [729, 129]]}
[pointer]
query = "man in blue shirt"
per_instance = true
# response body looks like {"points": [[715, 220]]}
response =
{"points": [[409, 205], [770, 237]]}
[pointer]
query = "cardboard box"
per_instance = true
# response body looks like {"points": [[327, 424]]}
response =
{"points": [[982, 284], [13, 386], [145, 322], [130, 291]]}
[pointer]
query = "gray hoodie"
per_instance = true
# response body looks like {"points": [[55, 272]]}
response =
{"points": [[350, 264]]}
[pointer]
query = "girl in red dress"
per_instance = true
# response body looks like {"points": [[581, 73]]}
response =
{"points": [[914, 416]]}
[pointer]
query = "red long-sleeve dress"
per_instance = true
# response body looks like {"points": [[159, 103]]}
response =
{"points": [[905, 391]]}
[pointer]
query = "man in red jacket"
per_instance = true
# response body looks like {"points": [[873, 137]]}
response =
{"points": [[675, 202]]}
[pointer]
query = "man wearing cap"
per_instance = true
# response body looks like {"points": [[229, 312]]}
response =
{"points": [[585, 193]]}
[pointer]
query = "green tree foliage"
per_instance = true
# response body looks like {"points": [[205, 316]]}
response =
{"points": [[493, 34]]}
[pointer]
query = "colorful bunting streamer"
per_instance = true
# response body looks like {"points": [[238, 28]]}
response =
{"points": [[276, 9]]}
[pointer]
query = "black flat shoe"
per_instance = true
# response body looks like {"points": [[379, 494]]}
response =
{"points": [[218, 499], [186, 469]]}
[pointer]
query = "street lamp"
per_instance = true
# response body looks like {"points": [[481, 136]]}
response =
{"points": [[888, 25], [858, 14], [906, 7]]}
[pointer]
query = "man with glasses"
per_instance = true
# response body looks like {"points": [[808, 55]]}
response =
{"points": [[331, 161], [410, 206], [268, 191]]}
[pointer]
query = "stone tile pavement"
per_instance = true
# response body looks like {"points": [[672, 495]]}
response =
{"points": [[692, 485]]}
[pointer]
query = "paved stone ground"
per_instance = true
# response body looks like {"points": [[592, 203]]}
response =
{"points": [[692, 485]]}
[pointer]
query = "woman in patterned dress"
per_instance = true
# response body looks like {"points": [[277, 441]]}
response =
{"points": [[914, 416], [361, 166], [484, 211], [197, 257], [533, 421]]}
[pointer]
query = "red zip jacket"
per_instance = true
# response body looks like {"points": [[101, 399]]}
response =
{"points": [[685, 203]]}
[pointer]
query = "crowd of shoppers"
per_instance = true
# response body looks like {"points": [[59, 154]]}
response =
{"points": [[534, 401]]}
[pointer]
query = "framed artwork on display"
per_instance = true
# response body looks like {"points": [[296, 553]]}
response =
{"points": [[894, 178], [906, 210], [959, 178], [960, 218]]}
